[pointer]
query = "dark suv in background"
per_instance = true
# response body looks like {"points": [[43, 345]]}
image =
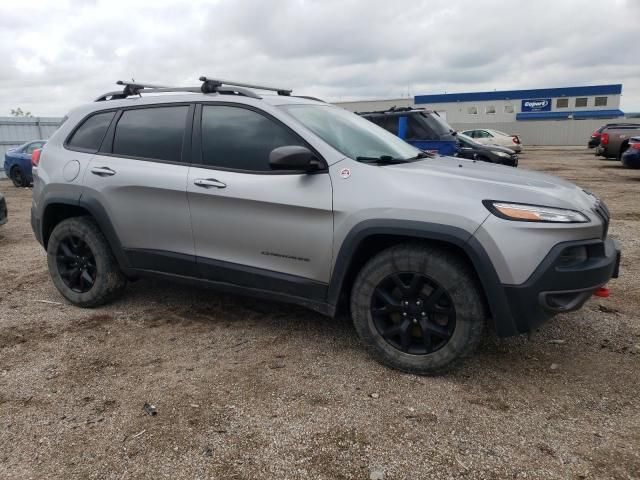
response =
{"points": [[614, 140], [424, 129], [594, 140]]}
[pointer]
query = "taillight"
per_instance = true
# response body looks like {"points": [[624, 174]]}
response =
{"points": [[604, 139], [596, 134], [515, 139], [635, 146], [35, 157]]}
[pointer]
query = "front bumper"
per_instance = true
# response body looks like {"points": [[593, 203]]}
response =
{"points": [[554, 288], [3, 211]]}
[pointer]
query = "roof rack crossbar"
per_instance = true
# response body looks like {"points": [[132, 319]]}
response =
{"points": [[133, 88], [211, 84]]}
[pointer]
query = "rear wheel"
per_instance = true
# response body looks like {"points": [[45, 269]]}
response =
{"points": [[81, 263], [418, 308], [18, 177]]}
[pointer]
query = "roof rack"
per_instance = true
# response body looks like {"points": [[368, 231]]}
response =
{"points": [[309, 98], [209, 85]]}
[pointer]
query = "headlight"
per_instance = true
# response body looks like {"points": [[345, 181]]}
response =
{"points": [[501, 154], [533, 213]]}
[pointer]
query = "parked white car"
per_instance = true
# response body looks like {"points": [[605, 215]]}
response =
{"points": [[495, 137]]}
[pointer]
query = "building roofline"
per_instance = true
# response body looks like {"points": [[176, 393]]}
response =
{"points": [[589, 90]]}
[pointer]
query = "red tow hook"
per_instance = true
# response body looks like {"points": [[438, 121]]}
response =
{"points": [[602, 292]]}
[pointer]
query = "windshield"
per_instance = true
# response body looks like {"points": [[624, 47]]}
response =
{"points": [[437, 123], [349, 133]]}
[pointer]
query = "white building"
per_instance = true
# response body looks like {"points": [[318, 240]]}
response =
{"points": [[544, 116]]}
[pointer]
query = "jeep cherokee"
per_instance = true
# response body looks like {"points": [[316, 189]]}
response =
{"points": [[293, 199]]}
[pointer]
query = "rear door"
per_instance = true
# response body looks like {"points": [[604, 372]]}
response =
{"points": [[253, 226], [139, 179]]}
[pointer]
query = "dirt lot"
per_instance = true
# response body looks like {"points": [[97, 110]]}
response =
{"points": [[246, 389]]}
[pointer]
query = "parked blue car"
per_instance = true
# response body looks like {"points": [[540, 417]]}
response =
{"points": [[631, 156], [424, 129], [17, 163]]}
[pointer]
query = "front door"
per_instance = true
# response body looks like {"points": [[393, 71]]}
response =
{"points": [[252, 226]]}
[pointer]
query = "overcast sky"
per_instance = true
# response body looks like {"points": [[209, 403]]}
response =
{"points": [[58, 54]]}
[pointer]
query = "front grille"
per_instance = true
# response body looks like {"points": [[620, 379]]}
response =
{"points": [[603, 212]]}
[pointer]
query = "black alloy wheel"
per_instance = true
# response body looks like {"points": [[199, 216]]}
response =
{"points": [[76, 264], [413, 313]]}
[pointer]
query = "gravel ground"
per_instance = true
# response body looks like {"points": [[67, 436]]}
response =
{"points": [[246, 389]]}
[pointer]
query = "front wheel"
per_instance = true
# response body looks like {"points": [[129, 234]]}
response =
{"points": [[418, 308], [81, 263]]}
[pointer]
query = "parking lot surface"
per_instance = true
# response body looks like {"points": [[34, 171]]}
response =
{"points": [[247, 389]]}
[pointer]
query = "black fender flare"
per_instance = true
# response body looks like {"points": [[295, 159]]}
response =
{"points": [[95, 209], [489, 280]]}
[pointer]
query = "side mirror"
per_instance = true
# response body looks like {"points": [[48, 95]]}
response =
{"points": [[293, 157]]}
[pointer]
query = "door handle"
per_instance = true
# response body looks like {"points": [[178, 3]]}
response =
{"points": [[103, 171], [208, 183]]}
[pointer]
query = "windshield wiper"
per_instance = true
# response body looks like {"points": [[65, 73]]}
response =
{"points": [[381, 160], [389, 160], [420, 156]]}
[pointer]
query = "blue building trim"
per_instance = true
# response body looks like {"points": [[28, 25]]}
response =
{"points": [[599, 114], [565, 115], [585, 91]]}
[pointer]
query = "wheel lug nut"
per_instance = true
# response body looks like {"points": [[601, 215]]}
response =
{"points": [[424, 314], [404, 314]]}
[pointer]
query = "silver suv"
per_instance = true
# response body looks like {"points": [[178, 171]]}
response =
{"points": [[293, 199]]}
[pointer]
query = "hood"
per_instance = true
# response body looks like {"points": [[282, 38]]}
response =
{"points": [[487, 181]]}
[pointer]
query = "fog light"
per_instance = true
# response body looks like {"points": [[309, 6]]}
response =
{"points": [[573, 256]]}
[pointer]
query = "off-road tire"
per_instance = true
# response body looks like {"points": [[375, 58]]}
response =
{"points": [[109, 279], [447, 269]]}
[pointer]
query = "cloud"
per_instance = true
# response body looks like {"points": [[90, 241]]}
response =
{"points": [[58, 54]]}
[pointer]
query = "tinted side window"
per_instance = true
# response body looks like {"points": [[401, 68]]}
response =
{"points": [[241, 139], [417, 131], [391, 124], [154, 133], [90, 134]]}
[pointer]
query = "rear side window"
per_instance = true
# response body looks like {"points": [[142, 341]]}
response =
{"points": [[241, 139], [391, 124], [153, 133], [417, 131], [90, 134]]}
